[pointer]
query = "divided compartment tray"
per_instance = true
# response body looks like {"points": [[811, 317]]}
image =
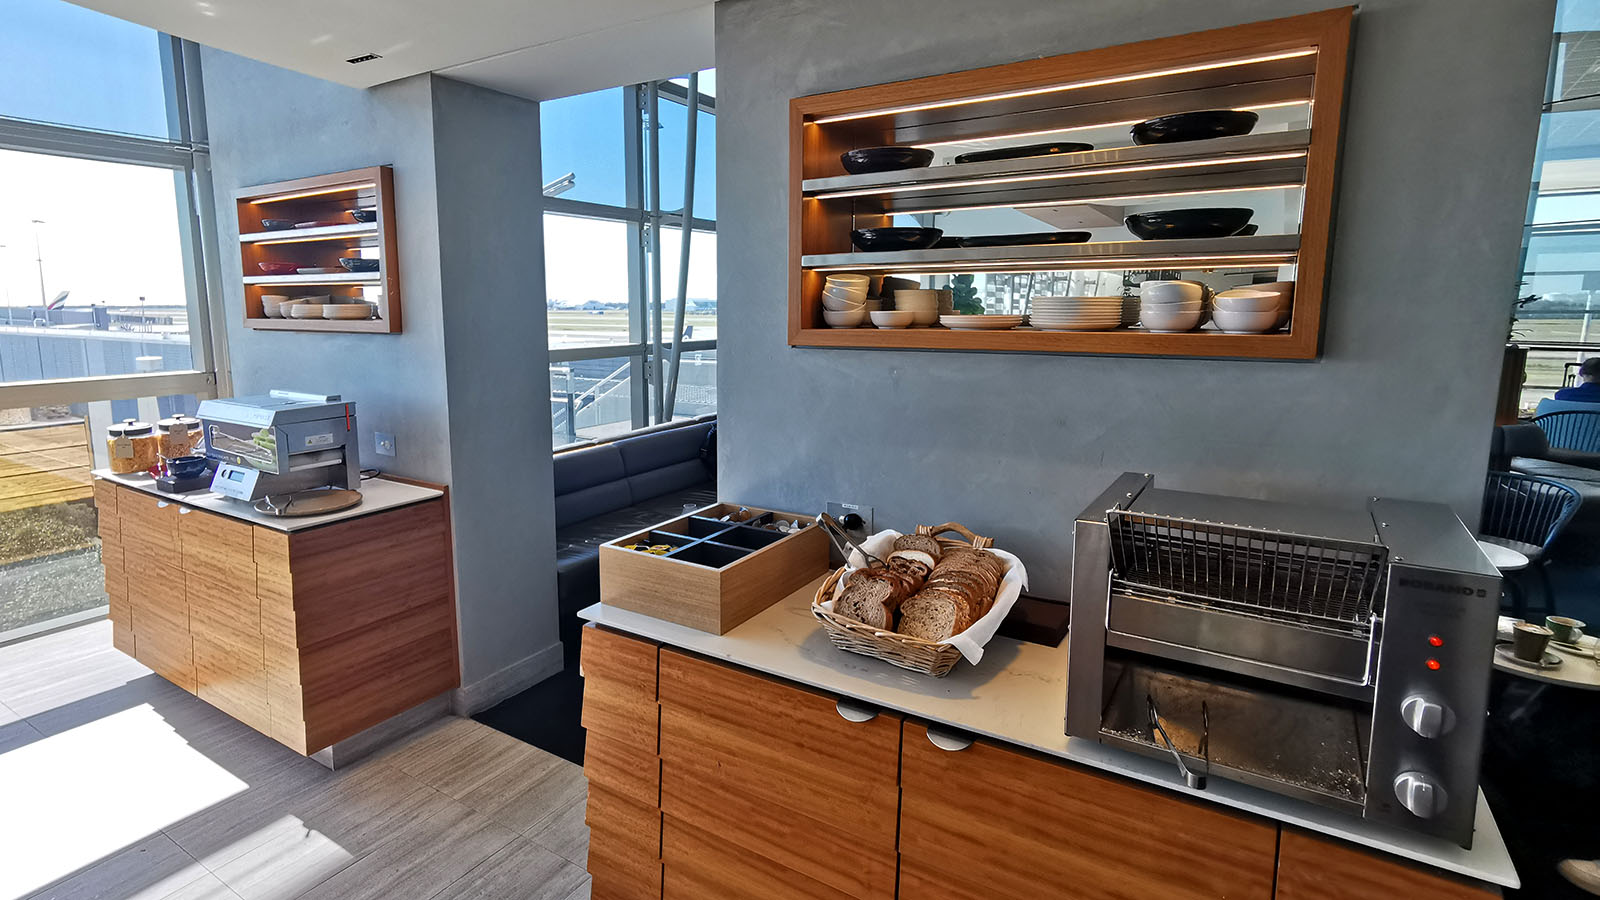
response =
{"points": [[719, 573]]}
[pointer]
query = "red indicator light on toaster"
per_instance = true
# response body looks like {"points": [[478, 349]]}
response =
{"points": [[1433, 664], [1435, 641]]}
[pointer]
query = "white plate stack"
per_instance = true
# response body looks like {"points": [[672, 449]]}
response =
{"points": [[981, 323], [1077, 313], [1130, 311]]}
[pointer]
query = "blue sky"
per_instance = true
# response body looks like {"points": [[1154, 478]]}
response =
{"points": [[63, 63]]}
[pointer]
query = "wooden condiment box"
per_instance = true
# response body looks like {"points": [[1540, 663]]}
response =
{"points": [[718, 574]]}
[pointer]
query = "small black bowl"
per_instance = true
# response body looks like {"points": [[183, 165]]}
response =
{"points": [[1194, 126], [364, 215], [1248, 230], [1032, 150], [186, 466], [876, 240], [1025, 240], [885, 159], [357, 264], [1210, 222], [277, 224]]}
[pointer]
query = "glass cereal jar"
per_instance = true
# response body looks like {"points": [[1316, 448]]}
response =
{"points": [[131, 446]]}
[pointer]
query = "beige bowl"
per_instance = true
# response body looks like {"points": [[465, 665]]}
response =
{"points": [[831, 302], [1248, 300], [1156, 292], [844, 318], [922, 318], [298, 310], [892, 318], [849, 279], [269, 305]]}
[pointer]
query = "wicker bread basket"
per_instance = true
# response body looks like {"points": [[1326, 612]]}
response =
{"points": [[901, 650]]}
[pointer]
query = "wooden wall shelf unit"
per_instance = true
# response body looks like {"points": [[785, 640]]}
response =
{"points": [[1294, 67], [323, 198]]}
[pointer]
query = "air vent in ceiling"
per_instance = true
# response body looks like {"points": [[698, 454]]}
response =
{"points": [[361, 59]]}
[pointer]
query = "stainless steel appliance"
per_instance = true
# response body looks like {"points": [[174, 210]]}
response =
{"points": [[279, 443], [1338, 656]]}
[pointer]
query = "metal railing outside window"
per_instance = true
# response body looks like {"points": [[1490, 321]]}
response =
{"points": [[630, 343]]}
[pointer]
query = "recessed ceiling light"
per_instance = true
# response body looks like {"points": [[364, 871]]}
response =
{"points": [[361, 59]]}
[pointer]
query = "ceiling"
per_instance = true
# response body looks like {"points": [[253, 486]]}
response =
{"points": [[537, 49]]}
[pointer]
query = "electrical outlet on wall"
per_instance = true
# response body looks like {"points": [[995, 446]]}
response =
{"points": [[383, 443], [840, 510]]}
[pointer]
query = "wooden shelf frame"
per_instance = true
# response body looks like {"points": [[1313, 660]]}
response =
{"points": [[1292, 60], [321, 198]]}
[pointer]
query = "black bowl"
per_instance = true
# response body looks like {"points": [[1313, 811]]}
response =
{"points": [[364, 215], [1053, 149], [1189, 223], [1194, 126], [1248, 230], [186, 466], [277, 224], [875, 240], [885, 159], [357, 264], [1025, 240]]}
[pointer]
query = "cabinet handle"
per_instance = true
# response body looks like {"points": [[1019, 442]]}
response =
{"points": [[184, 510], [851, 711], [952, 741], [162, 504]]}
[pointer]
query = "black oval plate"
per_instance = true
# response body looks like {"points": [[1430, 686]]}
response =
{"points": [[1200, 125], [877, 240], [1028, 152], [1025, 240], [1207, 222]]}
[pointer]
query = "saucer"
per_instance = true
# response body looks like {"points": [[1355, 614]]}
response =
{"points": [[1550, 660]]}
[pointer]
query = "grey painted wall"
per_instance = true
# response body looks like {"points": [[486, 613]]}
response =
{"points": [[1442, 118], [463, 388], [491, 237]]}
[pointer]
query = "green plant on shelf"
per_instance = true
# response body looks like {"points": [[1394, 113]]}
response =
{"points": [[964, 296]]}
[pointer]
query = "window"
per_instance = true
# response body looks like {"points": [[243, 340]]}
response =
{"points": [[104, 307], [1557, 317], [614, 252]]}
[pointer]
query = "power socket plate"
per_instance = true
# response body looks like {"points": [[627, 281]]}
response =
{"points": [[838, 510], [383, 443]]}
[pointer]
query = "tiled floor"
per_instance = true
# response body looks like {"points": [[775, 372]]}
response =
{"points": [[114, 784]]}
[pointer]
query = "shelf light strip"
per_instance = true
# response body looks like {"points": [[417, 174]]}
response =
{"points": [[1070, 86], [1058, 176], [1097, 125], [1082, 201], [362, 283], [1229, 260], [341, 189], [324, 237]]}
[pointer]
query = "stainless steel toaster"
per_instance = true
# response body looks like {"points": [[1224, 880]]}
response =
{"points": [[1340, 656]]}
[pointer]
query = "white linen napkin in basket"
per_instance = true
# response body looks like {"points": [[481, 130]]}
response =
{"points": [[971, 641]]}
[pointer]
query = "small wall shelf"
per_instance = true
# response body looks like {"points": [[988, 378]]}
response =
{"points": [[1293, 71], [326, 199]]}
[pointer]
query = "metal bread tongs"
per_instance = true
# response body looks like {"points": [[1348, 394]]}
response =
{"points": [[1196, 781], [836, 533]]}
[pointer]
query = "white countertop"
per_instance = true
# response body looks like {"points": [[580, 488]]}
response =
{"points": [[1018, 694], [377, 495]]}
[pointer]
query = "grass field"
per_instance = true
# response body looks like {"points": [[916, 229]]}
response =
{"points": [[572, 328]]}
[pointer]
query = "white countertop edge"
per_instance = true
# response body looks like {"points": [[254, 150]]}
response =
{"points": [[378, 494], [1488, 860]]}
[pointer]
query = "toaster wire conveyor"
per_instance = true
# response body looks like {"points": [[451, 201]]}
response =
{"points": [[1264, 643]]}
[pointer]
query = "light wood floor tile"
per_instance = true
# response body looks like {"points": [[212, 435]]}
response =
{"points": [[564, 832], [323, 832], [526, 802], [420, 859], [153, 869], [521, 871], [227, 830], [582, 891]]}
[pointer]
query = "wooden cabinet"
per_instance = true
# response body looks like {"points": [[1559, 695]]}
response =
{"points": [[1314, 868], [620, 713], [708, 781], [1020, 825], [307, 636]]}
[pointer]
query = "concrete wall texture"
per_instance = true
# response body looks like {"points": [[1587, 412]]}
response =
{"points": [[464, 386], [1443, 112]]}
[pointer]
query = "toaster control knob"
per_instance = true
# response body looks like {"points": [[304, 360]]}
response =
{"points": [[1428, 718], [1419, 794]]}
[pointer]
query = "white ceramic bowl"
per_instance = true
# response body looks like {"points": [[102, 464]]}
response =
{"points": [[1163, 320], [906, 299], [854, 290], [922, 318], [849, 279], [1246, 300], [1171, 291], [269, 305], [1284, 289], [892, 318], [849, 318], [831, 302], [1245, 322]]}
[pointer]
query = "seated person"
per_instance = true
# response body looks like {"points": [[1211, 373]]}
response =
{"points": [[1588, 387]]}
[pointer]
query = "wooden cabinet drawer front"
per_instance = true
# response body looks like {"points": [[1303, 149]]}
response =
{"points": [[1026, 825], [621, 867], [146, 570], [781, 743], [611, 811], [697, 866], [149, 522], [1314, 868], [168, 651], [748, 824], [223, 601], [217, 545], [619, 689], [121, 605], [111, 559], [622, 769], [919, 881], [229, 674], [122, 639], [105, 502]]}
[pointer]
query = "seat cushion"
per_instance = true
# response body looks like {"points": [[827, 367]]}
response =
{"points": [[666, 480], [1559, 471], [589, 502], [587, 467], [660, 449]]}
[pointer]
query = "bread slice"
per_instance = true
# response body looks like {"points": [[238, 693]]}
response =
{"points": [[930, 616], [868, 601], [914, 562], [926, 543]]}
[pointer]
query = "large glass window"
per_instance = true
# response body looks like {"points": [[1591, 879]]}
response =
{"points": [[614, 252], [104, 309]]}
